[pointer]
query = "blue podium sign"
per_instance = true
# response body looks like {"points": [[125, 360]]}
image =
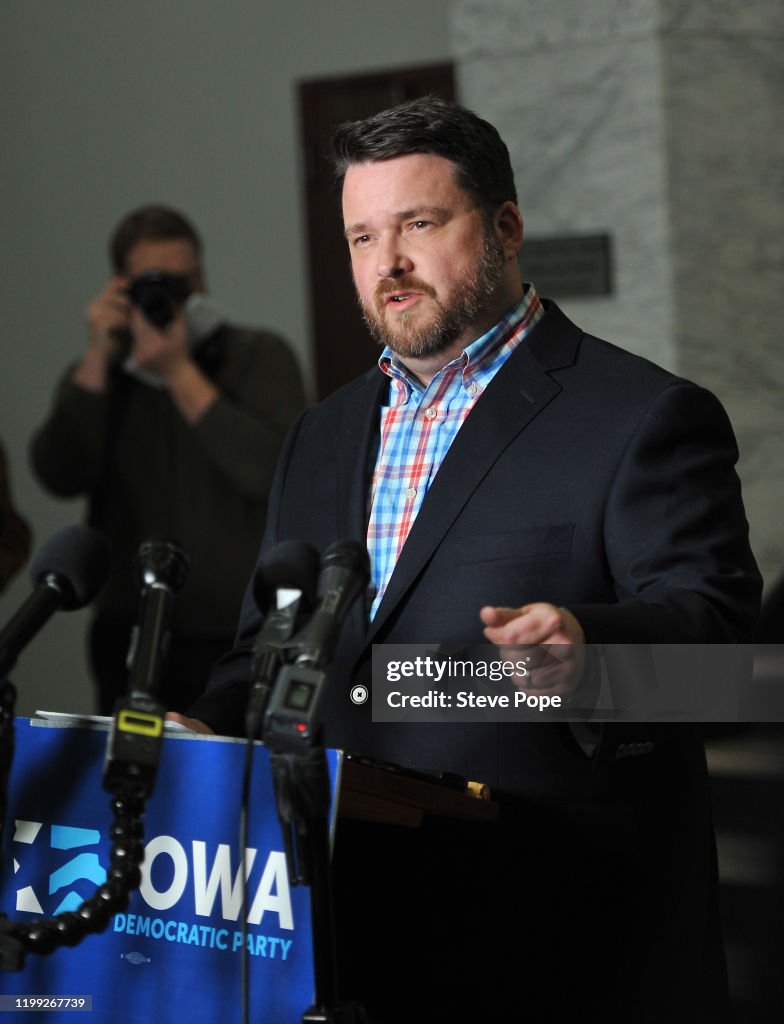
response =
{"points": [[176, 953]]}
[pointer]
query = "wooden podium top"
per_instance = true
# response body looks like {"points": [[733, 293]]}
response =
{"points": [[389, 794]]}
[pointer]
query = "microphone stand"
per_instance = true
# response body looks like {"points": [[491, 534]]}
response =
{"points": [[300, 778]]}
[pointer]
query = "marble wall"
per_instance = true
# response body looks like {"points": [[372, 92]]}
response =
{"points": [[660, 123]]}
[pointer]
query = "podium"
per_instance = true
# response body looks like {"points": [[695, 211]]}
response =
{"points": [[175, 954]]}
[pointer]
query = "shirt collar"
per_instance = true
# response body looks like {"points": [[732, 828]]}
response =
{"points": [[481, 359]]}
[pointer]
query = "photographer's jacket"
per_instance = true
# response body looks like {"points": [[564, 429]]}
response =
{"points": [[147, 473]]}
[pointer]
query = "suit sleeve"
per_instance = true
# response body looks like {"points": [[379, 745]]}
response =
{"points": [[676, 534]]}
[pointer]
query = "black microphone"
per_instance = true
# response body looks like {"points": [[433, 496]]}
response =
{"points": [[344, 574], [68, 572], [161, 571], [134, 746], [284, 588], [292, 724]]}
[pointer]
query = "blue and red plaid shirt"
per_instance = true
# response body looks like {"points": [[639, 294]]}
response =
{"points": [[418, 426]]}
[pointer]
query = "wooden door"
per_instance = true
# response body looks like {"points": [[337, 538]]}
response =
{"points": [[343, 348]]}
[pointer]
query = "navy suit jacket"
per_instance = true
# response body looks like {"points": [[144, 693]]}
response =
{"points": [[590, 478], [584, 476]]}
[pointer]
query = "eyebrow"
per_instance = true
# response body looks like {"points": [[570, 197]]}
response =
{"points": [[415, 213]]}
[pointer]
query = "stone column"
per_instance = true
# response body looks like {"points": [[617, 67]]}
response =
{"points": [[661, 124]]}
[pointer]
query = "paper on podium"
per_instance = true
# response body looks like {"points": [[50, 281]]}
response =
{"points": [[65, 719]]}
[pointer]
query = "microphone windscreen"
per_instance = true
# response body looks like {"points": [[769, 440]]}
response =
{"points": [[347, 554], [162, 562], [291, 564], [78, 555]]}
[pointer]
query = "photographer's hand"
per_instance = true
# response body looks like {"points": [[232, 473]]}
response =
{"points": [[167, 353], [107, 318]]}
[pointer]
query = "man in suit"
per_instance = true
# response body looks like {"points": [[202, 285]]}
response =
{"points": [[516, 482]]}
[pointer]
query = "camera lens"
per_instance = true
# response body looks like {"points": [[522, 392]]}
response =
{"points": [[158, 294]]}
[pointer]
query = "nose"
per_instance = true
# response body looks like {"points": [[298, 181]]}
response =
{"points": [[392, 260]]}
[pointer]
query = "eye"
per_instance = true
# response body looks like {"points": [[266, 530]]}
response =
{"points": [[420, 225], [360, 240]]}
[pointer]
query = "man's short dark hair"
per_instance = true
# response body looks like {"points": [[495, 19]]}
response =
{"points": [[438, 127], [151, 223]]}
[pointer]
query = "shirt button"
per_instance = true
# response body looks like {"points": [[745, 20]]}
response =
{"points": [[473, 387], [430, 412], [411, 493]]}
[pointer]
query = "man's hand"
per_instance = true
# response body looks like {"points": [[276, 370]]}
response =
{"points": [[193, 724], [161, 351], [538, 623], [167, 353], [108, 312], [551, 639], [107, 318]]}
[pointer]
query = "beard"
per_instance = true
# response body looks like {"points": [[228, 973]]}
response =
{"points": [[469, 298]]}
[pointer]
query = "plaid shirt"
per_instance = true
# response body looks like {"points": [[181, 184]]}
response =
{"points": [[418, 426]]}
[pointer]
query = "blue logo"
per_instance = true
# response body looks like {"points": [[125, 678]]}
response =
{"points": [[82, 866]]}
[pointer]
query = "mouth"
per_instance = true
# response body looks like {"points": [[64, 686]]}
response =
{"points": [[401, 299]]}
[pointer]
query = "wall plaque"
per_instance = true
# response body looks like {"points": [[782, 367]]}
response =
{"points": [[568, 266]]}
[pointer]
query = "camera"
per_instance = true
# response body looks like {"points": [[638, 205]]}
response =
{"points": [[158, 294]]}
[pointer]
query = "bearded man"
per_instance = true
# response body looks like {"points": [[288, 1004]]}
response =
{"points": [[518, 482]]}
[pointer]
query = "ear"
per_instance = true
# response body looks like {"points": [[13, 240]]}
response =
{"points": [[508, 223]]}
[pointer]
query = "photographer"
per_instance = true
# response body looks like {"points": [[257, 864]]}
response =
{"points": [[170, 424]]}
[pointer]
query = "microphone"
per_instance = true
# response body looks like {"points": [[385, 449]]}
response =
{"points": [[344, 574], [285, 578], [68, 572], [292, 721], [161, 571], [134, 746]]}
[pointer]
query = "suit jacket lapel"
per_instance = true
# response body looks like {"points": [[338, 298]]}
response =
{"points": [[357, 448]]}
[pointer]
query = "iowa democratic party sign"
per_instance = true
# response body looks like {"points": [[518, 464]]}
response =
{"points": [[176, 952]]}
